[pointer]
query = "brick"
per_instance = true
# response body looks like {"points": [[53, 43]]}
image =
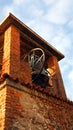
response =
{"points": [[11, 57]]}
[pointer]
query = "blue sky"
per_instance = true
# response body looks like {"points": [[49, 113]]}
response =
{"points": [[53, 20]]}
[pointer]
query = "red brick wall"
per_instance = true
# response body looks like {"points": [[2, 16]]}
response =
{"points": [[25, 73], [28, 109], [2, 107], [45, 114], [11, 58]]}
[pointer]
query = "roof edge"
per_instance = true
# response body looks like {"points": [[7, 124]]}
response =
{"points": [[11, 19]]}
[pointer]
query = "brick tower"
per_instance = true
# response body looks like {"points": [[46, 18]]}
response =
{"points": [[25, 103]]}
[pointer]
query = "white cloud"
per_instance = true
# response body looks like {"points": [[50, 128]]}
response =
{"points": [[69, 89], [70, 24], [19, 2], [49, 2], [62, 43], [8, 9], [59, 13], [36, 12], [70, 76]]}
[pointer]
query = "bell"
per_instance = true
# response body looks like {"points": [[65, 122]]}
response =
{"points": [[36, 59]]}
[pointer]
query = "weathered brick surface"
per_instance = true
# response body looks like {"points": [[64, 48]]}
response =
{"points": [[49, 114], [25, 73], [11, 58], [2, 108], [28, 109]]}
